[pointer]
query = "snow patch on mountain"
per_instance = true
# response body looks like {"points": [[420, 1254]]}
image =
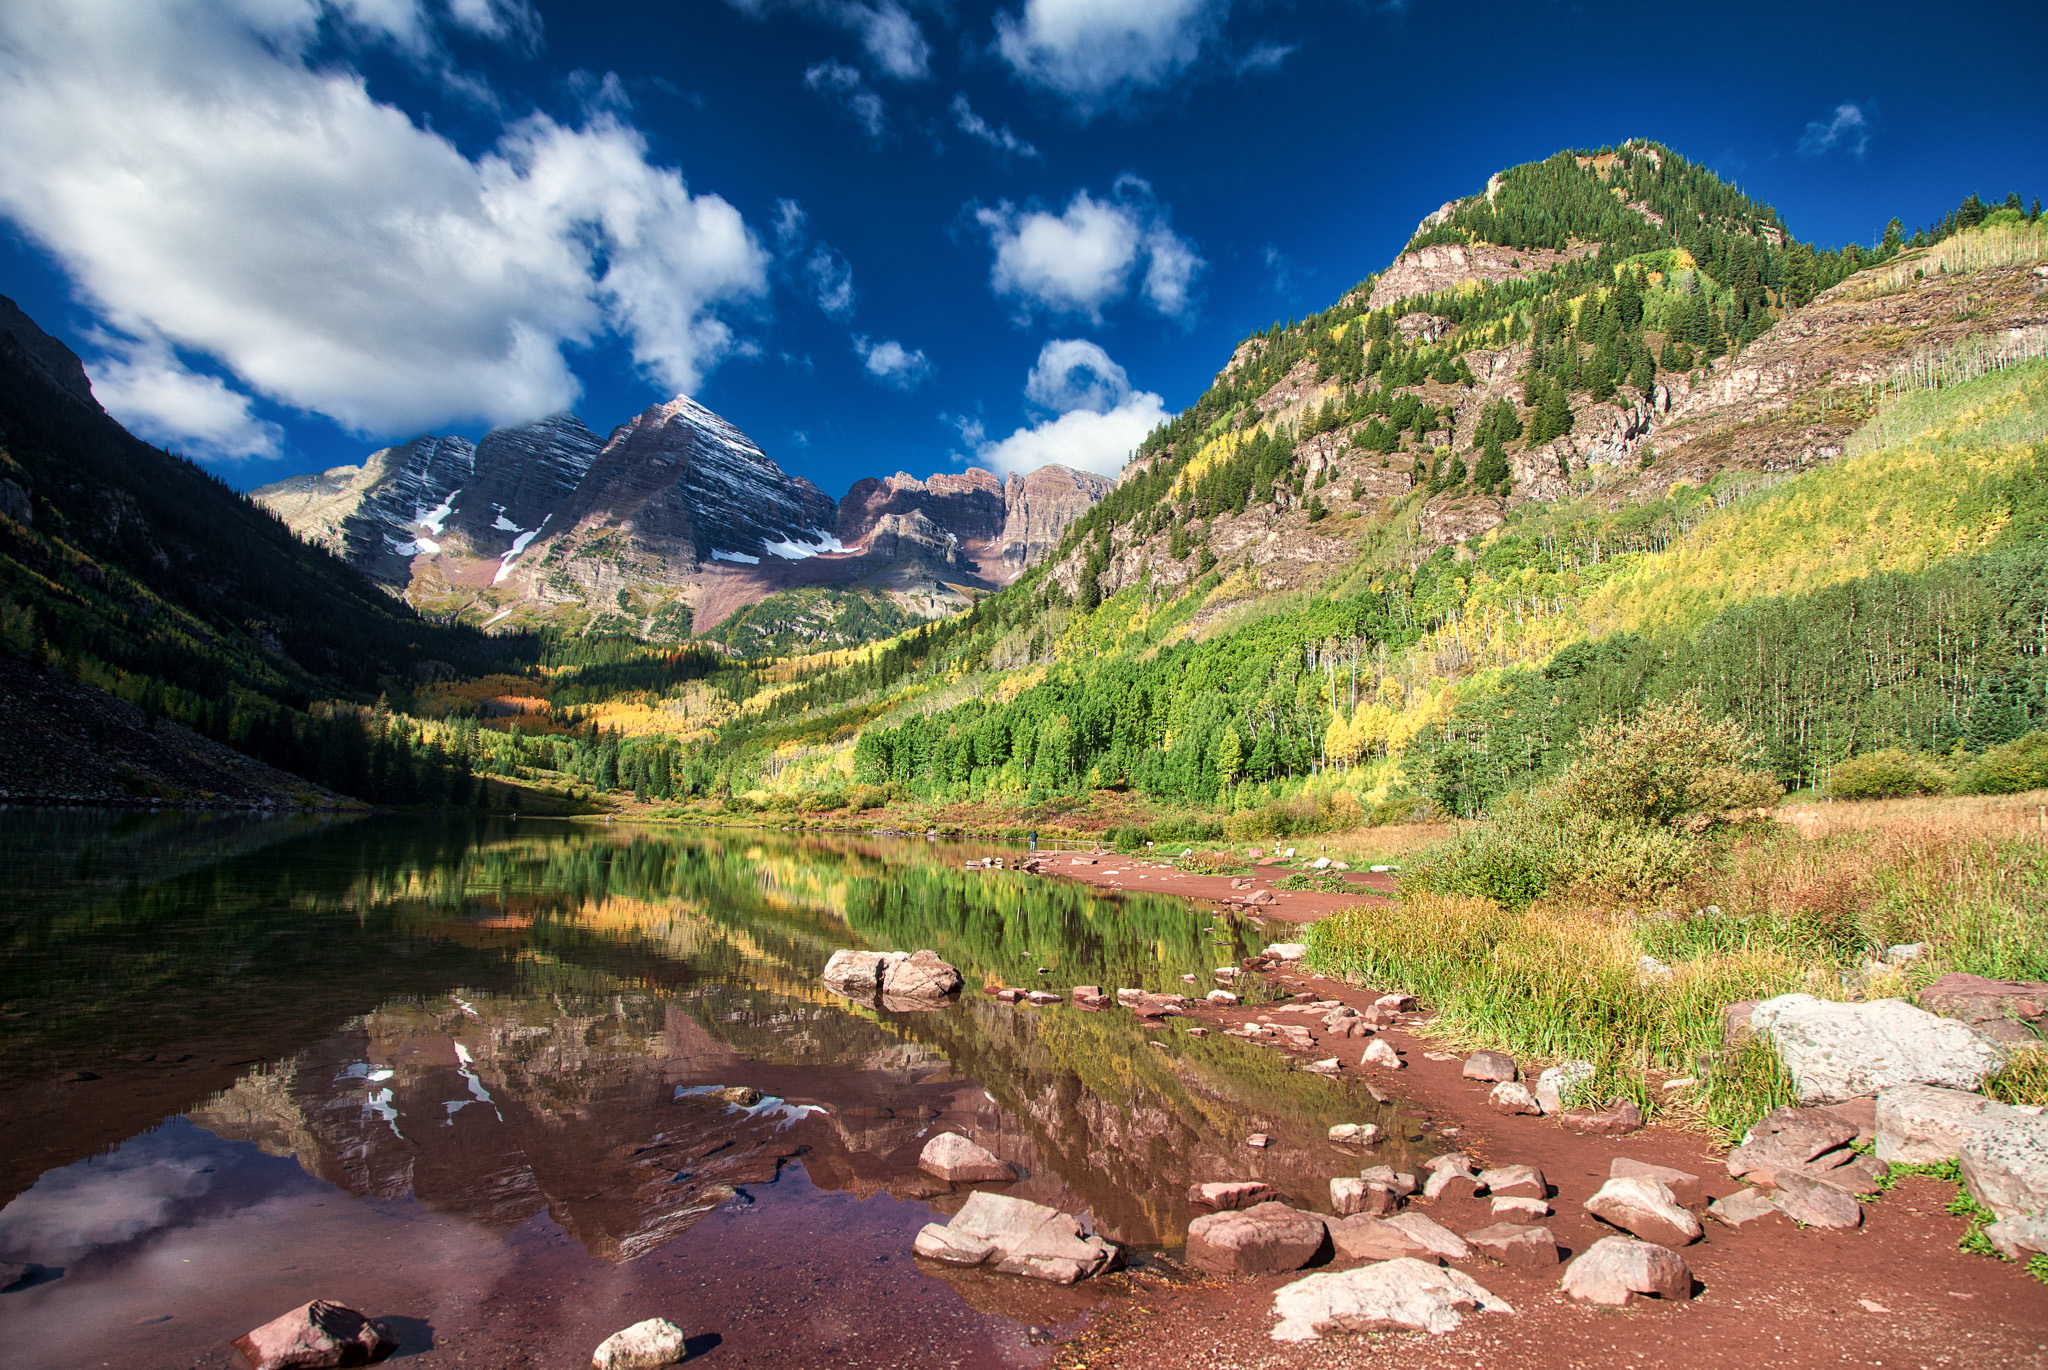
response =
{"points": [[741, 557], [438, 515], [519, 544], [789, 549]]}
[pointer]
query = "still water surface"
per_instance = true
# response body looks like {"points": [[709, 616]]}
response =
{"points": [[457, 1074]]}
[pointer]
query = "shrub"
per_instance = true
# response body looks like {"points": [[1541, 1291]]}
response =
{"points": [[1214, 863], [1668, 766], [2017, 766], [1534, 844], [1888, 774]]}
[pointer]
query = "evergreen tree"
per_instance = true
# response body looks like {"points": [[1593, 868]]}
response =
{"points": [[1492, 471]]}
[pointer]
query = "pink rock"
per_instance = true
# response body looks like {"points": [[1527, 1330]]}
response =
{"points": [[1491, 1066], [1646, 1209], [1516, 1245], [1259, 1240], [1229, 1194], [314, 1336], [1614, 1269], [956, 1160], [1512, 1097]]}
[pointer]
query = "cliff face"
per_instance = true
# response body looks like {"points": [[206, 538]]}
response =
{"points": [[678, 508]]}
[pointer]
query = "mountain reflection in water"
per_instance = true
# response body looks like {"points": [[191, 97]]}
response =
{"points": [[506, 1025]]}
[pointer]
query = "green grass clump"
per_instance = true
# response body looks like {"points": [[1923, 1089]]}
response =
{"points": [[2023, 1079]]}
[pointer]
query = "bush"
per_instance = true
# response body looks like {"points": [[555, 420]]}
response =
{"points": [[2017, 766], [1888, 774], [1669, 766], [1534, 845]]}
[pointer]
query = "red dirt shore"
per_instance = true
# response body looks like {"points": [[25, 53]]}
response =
{"points": [[1109, 871], [1895, 1292]]}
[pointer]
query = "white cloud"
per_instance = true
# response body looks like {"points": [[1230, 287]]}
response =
{"points": [[1848, 128], [1073, 373], [826, 275], [1099, 423], [890, 35], [842, 86], [1081, 259], [500, 20], [1001, 139], [1265, 57], [155, 396], [893, 364], [1092, 51], [238, 201]]}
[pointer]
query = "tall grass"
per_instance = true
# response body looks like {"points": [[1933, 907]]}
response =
{"points": [[1775, 911]]}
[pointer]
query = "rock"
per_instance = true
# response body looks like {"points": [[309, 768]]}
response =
{"points": [[1838, 1051], [1329, 1065], [1919, 1124], [1618, 1119], [1491, 1065], [859, 974], [1081, 992], [643, 1346], [740, 1096], [1516, 1245], [2019, 1238], [1401, 1182], [1789, 1139], [1042, 998], [1614, 1269], [1229, 1194], [1685, 1187], [1321, 863], [1511, 1097], [1367, 1237], [1378, 1053], [1512, 1209], [1223, 997], [2004, 1010], [1262, 897], [1815, 1204], [1858, 1174], [1285, 951], [1259, 1240], [956, 1160], [1644, 1208], [1742, 1207], [1859, 1113], [1364, 1134], [1514, 1181], [1456, 1181], [1394, 1003], [2006, 1167], [1258, 1139], [1433, 1236], [1905, 953], [1555, 1085], [1449, 1160], [1394, 1293], [1735, 1020], [1010, 996], [921, 975], [1349, 1196], [1024, 1239], [314, 1336]]}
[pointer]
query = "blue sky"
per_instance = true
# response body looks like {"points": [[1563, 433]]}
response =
{"points": [[876, 234]]}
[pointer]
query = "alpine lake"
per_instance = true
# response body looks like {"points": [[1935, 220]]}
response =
{"points": [[459, 1074]]}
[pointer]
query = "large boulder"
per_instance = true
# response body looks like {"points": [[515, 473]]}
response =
{"points": [[1259, 1240], [1836, 1051], [956, 1160], [2006, 1166], [1792, 1140], [315, 1336], [859, 974], [1491, 1066], [1396, 1293], [1645, 1208], [2008, 1011], [645, 1345], [1021, 1237], [1368, 1238], [921, 975], [1614, 1269], [1920, 1125]]}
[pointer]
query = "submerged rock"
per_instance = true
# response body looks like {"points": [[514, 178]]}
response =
{"points": [[315, 1336], [645, 1345], [921, 975], [1396, 1293]]}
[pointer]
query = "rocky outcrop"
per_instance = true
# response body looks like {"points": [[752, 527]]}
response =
{"points": [[1448, 266], [970, 505], [1038, 507], [376, 515]]}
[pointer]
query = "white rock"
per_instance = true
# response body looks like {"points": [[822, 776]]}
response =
{"points": [[1905, 952], [1223, 997], [1646, 1208], [2006, 1167], [1615, 1268], [1398, 1293], [1287, 951], [2019, 1239], [643, 1346], [1378, 1053], [1919, 1124], [1554, 1086], [1321, 863], [1432, 1236], [1844, 1051]]}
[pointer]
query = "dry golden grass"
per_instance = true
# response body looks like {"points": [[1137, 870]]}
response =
{"points": [[1935, 817]]}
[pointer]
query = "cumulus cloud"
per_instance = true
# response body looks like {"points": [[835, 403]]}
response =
{"points": [[1094, 51], [845, 90], [1097, 419], [1848, 129], [826, 276], [499, 20], [890, 35], [243, 202], [155, 396], [893, 364], [1083, 258], [978, 128]]}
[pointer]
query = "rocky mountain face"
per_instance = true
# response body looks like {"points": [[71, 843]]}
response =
{"points": [[678, 518]]}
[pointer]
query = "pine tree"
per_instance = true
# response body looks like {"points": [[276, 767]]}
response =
{"points": [[1492, 471]]}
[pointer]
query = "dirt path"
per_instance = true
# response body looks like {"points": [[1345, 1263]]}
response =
{"points": [[1895, 1292], [1111, 871]]}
